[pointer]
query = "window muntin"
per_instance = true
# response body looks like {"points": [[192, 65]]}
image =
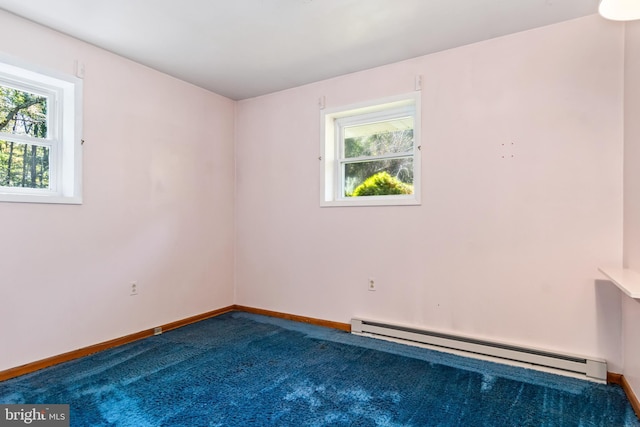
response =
{"points": [[25, 146], [375, 143], [371, 154], [40, 125]]}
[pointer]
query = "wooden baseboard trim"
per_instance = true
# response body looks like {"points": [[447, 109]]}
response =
{"points": [[313, 321], [196, 318], [633, 399], [86, 351], [613, 378]]}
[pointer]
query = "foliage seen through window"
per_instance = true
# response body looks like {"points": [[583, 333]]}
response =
{"points": [[24, 152], [382, 150]]}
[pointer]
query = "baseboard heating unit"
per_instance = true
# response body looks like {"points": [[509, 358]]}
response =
{"points": [[590, 368]]}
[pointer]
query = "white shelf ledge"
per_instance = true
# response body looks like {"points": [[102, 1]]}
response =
{"points": [[627, 280]]}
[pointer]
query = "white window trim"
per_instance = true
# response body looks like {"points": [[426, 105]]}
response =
{"points": [[65, 127], [330, 175]]}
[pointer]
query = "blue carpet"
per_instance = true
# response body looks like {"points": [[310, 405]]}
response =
{"points": [[241, 369]]}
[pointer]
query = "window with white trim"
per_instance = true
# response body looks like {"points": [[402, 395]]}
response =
{"points": [[40, 135], [370, 153]]}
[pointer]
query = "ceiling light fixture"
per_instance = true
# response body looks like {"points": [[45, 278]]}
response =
{"points": [[620, 10]]}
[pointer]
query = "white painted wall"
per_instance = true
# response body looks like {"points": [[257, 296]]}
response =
{"points": [[630, 307], [501, 248], [158, 192]]}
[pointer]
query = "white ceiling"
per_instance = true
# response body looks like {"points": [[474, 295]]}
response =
{"points": [[245, 48]]}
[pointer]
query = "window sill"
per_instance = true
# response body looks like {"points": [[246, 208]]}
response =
{"points": [[28, 198], [370, 201]]}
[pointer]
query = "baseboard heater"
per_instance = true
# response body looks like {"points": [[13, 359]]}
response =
{"points": [[595, 369]]}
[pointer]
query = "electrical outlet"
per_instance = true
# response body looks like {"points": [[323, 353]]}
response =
{"points": [[133, 291], [372, 284], [157, 330]]}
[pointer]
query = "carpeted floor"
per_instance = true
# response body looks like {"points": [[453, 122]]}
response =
{"points": [[241, 369]]}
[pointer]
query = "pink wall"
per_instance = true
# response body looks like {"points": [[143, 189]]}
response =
{"points": [[630, 307], [158, 208], [503, 249]]}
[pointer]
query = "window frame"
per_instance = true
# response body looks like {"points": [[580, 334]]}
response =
{"points": [[333, 122], [64, 130]]}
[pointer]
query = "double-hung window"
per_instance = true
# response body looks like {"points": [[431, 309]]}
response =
{"points": [[371, 154], [40, 145]]}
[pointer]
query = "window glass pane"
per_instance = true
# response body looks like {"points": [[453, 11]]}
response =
{"points": [[23, 113], [379, 177], [23, 165], [376, 139]]}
